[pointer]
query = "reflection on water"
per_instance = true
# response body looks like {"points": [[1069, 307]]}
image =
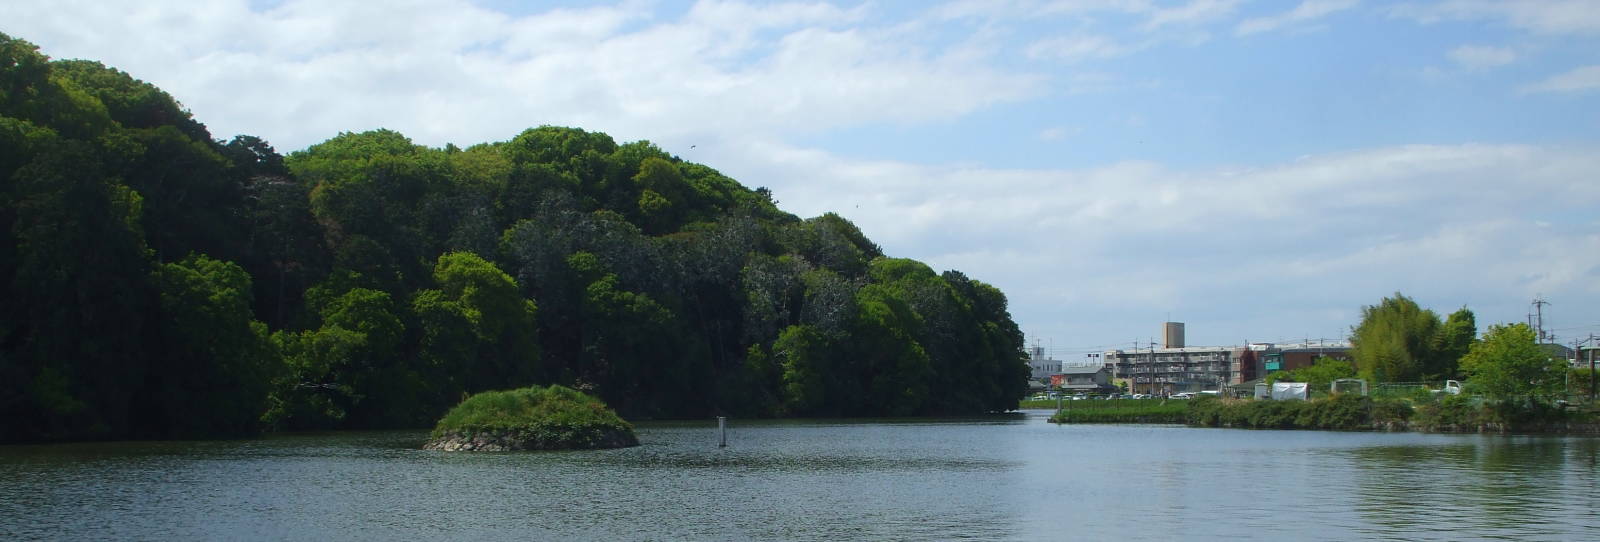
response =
{"points": [[989, 479], [1488, 487]]}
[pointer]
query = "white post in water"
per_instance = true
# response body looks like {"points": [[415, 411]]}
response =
{"points": [[722, 431]]}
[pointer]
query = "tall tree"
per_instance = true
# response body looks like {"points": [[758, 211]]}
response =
{"points": [[1455, 339], [1395, 341], [212, 377]]}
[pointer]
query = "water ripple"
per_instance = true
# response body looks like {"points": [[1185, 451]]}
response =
{"points": [[1009, 479]]}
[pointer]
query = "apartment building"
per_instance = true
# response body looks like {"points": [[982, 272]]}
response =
{"points": [[1164, 371]]}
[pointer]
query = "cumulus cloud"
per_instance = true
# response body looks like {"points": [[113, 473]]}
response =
{"points": [[1307, 11], [1322, 234], [302, 71], [1581, 79]]}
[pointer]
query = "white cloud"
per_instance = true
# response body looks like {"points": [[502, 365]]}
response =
{"points": [[1323, 234], [1306, 11], [1155, 15], [1541, 16], [304, 70], [1029, 9], [1079, 47], [1581, 79], [1193, 13], [1482, 57]]}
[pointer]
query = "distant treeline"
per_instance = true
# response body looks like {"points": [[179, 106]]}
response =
{"points": [[159, 283]]}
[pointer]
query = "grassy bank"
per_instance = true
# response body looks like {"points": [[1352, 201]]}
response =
{"points": [[1092, 403], [1455, 413], [1133, 411], [1346, 412]]}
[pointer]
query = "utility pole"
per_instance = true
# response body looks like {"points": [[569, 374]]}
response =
{"points": [[1538, 307], [1153, 365], [1591, 368], [1135, 360]]}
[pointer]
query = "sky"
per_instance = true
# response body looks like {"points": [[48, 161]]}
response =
{"points": [[1259, 170]]}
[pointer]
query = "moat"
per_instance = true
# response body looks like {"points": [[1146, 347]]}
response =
{"points": [[1015, 478]]}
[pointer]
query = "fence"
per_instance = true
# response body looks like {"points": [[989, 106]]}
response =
{"points": [[1403, 389]]}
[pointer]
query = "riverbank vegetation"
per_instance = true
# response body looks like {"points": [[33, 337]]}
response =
{"points": [[1123, 411], [1351, 412], [160, 283], [531, 418], [1512, 385]]}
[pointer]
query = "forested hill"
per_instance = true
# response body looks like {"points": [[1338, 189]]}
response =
{"points": [[159, 283]]}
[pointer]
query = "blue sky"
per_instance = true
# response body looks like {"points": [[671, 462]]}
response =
{"points": [[1257, 169]]}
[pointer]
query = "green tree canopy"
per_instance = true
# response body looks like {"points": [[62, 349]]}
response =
{"points": [[1455, 338], [1395, 341], [1509, 363], [217, 362]]}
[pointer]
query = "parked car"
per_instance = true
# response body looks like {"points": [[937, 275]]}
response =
{"points": [[1183, 395]]}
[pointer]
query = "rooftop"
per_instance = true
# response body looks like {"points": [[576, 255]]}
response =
{"points": [[1082, 369]]}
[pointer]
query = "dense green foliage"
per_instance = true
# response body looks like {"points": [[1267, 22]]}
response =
{"points": [[554, 417], [1398, 341], [1353, 412], [160, 283], [1473, 414], [1344, 412], [1508, 363], [1581, 382]]}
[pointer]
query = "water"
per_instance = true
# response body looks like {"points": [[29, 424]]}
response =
{"points": [[987, 479]]}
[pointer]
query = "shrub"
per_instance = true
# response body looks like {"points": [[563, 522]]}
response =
{"points": [[1451, 413], [1390, 410], [1172, 412], [1345, 411]]}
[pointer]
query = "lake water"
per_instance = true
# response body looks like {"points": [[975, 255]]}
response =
{"points": [[1017, 478]]}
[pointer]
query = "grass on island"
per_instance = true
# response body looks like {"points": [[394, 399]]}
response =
{"points": [[557, 415]]}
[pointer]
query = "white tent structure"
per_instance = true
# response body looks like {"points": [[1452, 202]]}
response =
{"points": [[1289, 391]]}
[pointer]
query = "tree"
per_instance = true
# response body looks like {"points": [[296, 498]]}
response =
{"points": [[805, 356], [1509, 363], [77, 296], [891, 366], [1454, 340], [1395, 341], [477, 327], [212, 377], [332, 370]]}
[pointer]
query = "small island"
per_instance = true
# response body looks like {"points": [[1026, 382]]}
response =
{"points": [[532, 418]]}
